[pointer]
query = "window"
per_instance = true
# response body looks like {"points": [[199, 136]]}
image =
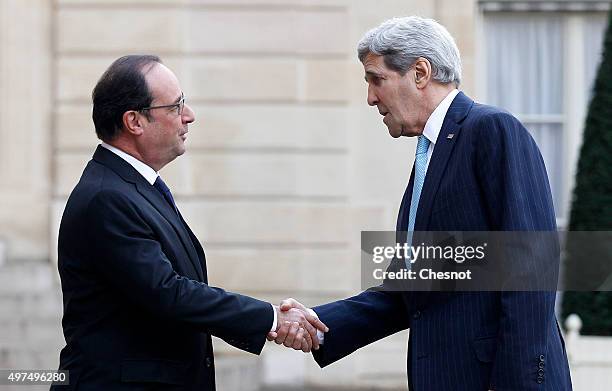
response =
{"points": [[540, 66]]}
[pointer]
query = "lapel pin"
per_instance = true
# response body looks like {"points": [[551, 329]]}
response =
{"points": [[450, 136]]}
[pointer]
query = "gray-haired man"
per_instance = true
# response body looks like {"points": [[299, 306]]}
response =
{"points": [[477, 169]]}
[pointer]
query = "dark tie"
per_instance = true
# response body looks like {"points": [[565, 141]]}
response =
{"points": [[165, 191]]}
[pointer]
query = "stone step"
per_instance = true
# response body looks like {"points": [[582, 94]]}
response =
{"points": [[237, 372], [30, 316], [30, 358], [21, 388]]}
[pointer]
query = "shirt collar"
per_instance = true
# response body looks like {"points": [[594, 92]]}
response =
{"points": [[147, 172], [435, 120]]}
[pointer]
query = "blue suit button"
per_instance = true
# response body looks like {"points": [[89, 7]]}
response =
{"points": [[417, 314]]}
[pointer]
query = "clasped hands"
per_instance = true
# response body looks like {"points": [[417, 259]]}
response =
{"points": [[297, 326]]}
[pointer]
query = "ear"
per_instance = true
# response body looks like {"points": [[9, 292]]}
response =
{"points": [[132, 122], [422, 72]]}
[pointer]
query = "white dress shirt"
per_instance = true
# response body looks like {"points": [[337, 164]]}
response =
{"points": [[151, 175], [147, 172], [435, 120]]}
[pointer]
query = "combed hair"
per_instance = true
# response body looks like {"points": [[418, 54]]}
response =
{"points": [[401, 41], [121, 88]]}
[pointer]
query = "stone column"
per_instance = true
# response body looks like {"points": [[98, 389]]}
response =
{"points": [[25, 127]]}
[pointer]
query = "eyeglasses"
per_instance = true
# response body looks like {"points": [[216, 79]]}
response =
{"points": [[179, 106]]}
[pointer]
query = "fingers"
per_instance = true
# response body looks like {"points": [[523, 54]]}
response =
{"points": [[316, 322], [293, 330], [305, 347], [311, 333], [311, 340], [302, 341], [284, 321], [281, 333], [297, 343], [298, 326], [289, 303], [292, 335], [271, 336]]}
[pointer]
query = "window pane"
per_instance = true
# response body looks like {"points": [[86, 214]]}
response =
{"points": [[549, 140], [524, 55], [524, 62]]}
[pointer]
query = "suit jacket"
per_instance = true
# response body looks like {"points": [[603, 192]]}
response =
{"points": [[489, 176], [138, 310]]}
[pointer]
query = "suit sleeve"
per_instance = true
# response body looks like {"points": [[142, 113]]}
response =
{"points": [[358, 321], [130, 257], [518, 198]]}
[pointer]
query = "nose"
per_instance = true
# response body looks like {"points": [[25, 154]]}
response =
{"points": [[188, 114], [372, 98]]}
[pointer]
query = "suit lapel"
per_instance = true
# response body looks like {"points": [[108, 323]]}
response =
{"points": [[129, 174], [198, 248], [437, 165], [156, 199]]}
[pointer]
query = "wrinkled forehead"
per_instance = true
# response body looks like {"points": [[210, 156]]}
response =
{"points": [[374, 65], [373, 61]]}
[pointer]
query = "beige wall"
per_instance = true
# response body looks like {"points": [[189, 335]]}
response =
{"points": [[286, 163], [25, 127]]}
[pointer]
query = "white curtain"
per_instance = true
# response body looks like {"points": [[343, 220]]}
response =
{"points": [[524, 54]]}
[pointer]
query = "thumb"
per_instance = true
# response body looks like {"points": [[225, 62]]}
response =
{"points": [[288, 304]]}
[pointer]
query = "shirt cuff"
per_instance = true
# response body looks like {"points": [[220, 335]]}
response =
{"points": [[320, 334], [274, 322]]}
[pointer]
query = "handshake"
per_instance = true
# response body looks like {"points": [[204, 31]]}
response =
{"points": [[297, 326]]}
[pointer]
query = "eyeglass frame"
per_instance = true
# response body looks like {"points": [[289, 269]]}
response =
{"points": [[180, 105]]}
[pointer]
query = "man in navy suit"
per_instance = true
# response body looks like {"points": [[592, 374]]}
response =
{"points": [[138, 310], [477, 169]]}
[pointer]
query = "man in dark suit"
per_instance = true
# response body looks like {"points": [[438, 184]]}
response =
{"points": [[138, 310], [476, 169]]}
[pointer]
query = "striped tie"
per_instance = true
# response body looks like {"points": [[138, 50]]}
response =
{"points": [[420, 169]]}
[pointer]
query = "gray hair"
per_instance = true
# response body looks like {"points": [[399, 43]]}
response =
{"points": [[401, 41]]}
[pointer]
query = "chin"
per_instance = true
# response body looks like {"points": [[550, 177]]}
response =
{"points": [[395, 133], [180, 150]]}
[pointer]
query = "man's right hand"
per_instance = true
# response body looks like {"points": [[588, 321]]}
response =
{"points": [[297, 326]]}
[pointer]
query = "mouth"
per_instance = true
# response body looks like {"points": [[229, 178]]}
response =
{"points": [[183, 136]]}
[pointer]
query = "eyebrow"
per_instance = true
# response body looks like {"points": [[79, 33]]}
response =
{"points": [[371, 73]]}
